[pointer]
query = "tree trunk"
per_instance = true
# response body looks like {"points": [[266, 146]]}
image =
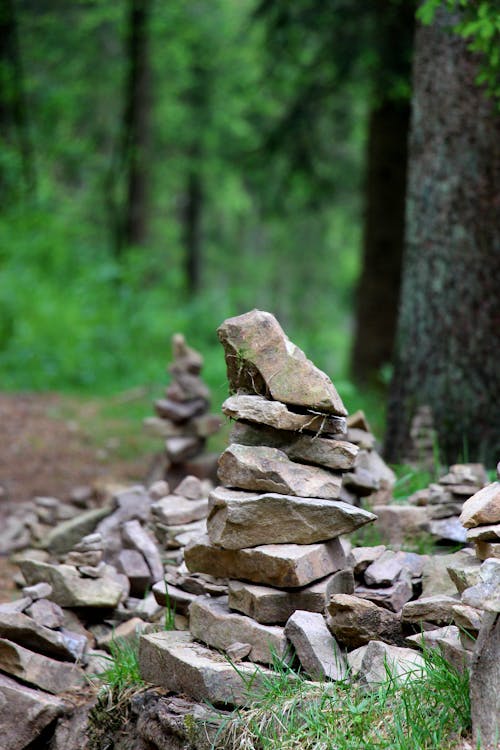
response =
{"points": [[13, 110], [192, 223], [385, 184], [449, 317], [379, 284]]}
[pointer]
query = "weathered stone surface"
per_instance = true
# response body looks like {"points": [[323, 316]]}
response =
{"points": [[275, 414], [399, 523], [174, 661], [63, 537], [18, 605], [177, 599], [265, 469], [435, 577], [485, 550], [181, 448], [485, 684], [242, 519], [40, 590], [24, 713], [47, 674], [318, 651], [355, 622], [126, 631], [391, 597], [131, 563], [46, 613], [173, 510], [148, 609], [191, 488], [384, 570], [467, 618], [449, 529], [375, 465], [69, 589], [438, 609], [273, 606], [363, 439], [21, 629], [449, 640], [138, 538], [179, 411], [282, 565], [238, 651], [486, 593], [341, 582], [362, 557], [261, 359], [313, 449], [372, 663], [488, 533], [212, 622], [465, 574], [483, 507]]}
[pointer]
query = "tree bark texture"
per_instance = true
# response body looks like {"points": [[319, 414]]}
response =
{"points": [[385, 185], [448, 343]]}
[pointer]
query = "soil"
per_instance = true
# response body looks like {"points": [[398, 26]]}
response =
{"points": [[50, 444]]}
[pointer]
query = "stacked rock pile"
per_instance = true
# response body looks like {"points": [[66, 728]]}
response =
{"points": [[183, 418], [481, 517], [422, 440]]}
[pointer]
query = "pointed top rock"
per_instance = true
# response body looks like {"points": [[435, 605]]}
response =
{"points": [[261, 359]]}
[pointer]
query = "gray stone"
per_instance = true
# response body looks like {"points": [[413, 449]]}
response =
{"points": [[176, 662], [261, 359], [373, 663], [362, 438], [281, 565], [467, 618], [465, 573], [486, 593], [391, 597], [46, 613], [265, 469], [180, 411], [488, 533], [91, 558], [70, 590], [241, 519], [375, 465], [355, 622], [148, 609], [127, 631], [90, 543], [26, 632], [238, 651], [445, 510], [158, 489], [438, 609], [448, 640], [25, 713], [484, 550], [399, 523], [63, 537], [18, 605], [37, 670], [40, 590], [362, 557], [181, 448], [138, 538], [174, 510], [177, 599], [435, 575], [191, 488], [312, 449], [275, 414], [131, 563], [318, 651], [449, 529], [384, 570], [483, 507], [211, 622], [485, 684]]}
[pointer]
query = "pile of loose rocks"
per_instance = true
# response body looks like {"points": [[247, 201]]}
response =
{"points": [[183, 418]]}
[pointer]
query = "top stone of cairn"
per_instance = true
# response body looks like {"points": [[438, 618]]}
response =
{"points": [[262, 360]]}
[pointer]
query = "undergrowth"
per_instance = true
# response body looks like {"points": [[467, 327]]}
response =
{"points": [[426, 713]]}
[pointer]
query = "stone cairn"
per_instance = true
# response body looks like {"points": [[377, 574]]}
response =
{"points": [[183, 419], [274, 526]]}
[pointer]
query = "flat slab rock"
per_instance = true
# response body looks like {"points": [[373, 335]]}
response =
{"points": [[316, 648], [328, 452], [260, 358], [38, 670], [70, 589], [370, 663], [58, 644], [241, 519], [483, 507], [281, 565], [177, 662], [274, 414], [212, 622], [274, 606], [438, 609], [265, 469], [173, 510], [25, 713]]}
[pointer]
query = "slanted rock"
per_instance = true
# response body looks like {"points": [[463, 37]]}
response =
{"points": [[21, 629], [37, 670], [318, 651], [438, 609], [485, 684], [374, 662], [261, 359], [25, 713], [483, 507], [355, 622], [260, 410], [265, 469]]}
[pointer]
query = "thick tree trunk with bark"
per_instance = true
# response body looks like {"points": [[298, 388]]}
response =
{"points": [[449, 320]]}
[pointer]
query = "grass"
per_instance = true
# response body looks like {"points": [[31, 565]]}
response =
{"points": [[123, 671], [430, 712]]}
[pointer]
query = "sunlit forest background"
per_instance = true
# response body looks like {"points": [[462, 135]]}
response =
{"points": [[167, 165]]}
